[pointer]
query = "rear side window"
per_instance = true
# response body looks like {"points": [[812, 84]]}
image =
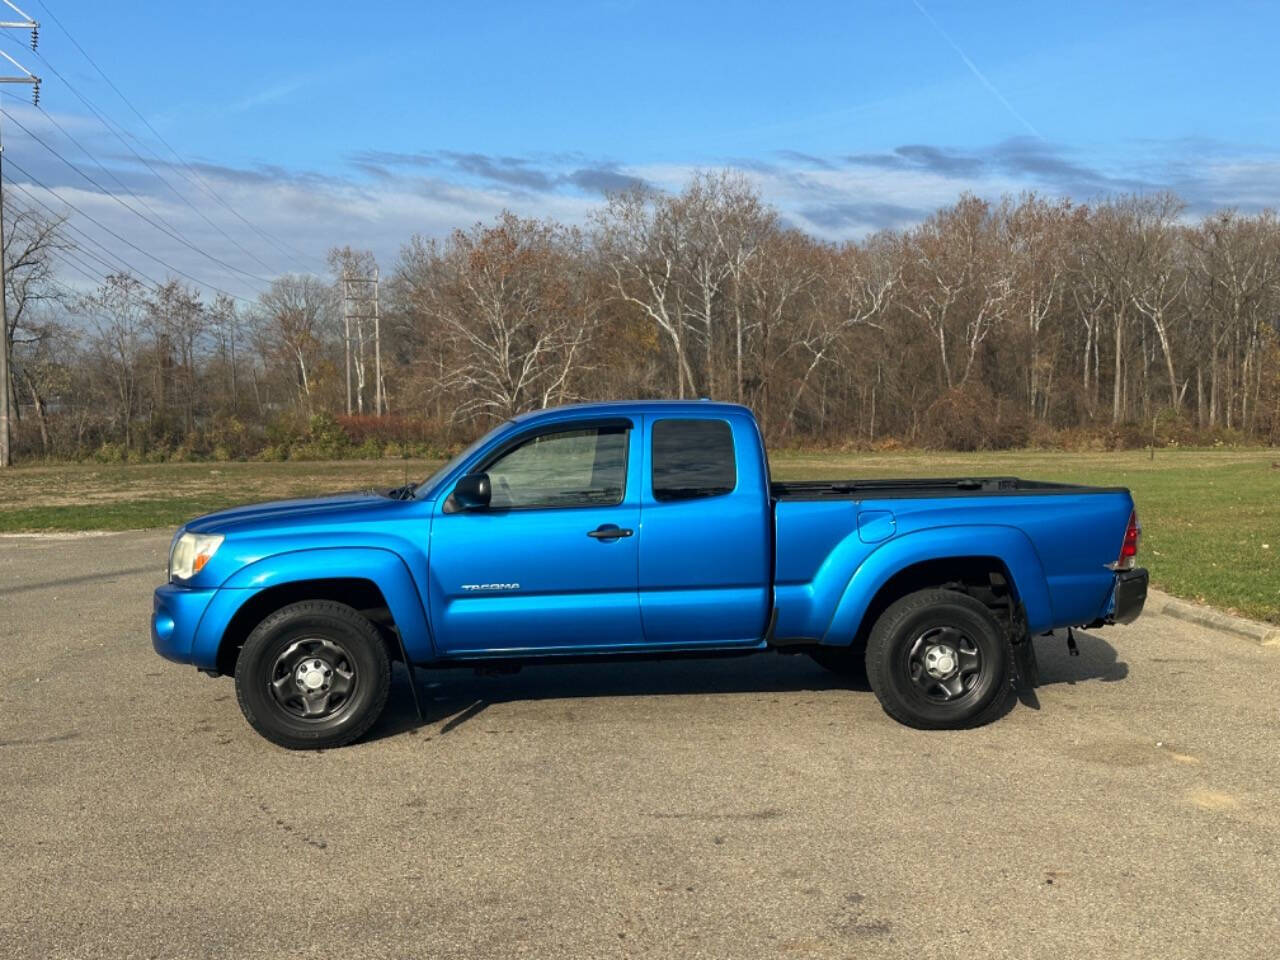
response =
{"points": [[692, 459]]}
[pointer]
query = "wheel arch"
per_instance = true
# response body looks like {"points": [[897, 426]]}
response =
{"points": [[372, 580], [937, 558], [360, 594]]}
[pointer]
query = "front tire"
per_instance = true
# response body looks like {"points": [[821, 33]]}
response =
{"points": [[939, 660], [313, 674]]}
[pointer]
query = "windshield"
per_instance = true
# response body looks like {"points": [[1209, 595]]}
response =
{"points": [[428, 486]]}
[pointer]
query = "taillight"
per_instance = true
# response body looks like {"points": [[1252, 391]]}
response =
{"points": [[1129, 548]]}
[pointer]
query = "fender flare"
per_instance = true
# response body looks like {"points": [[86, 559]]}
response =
{"points": [[1009, 545], [384, 568]]}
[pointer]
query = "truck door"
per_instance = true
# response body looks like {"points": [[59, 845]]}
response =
{"points": [[705, 555], [552, 562]]}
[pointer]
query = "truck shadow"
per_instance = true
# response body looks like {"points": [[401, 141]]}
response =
{"points": [[1097, 660], [451, 698]]}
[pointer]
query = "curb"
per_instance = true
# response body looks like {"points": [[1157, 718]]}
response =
{"points": [[1264, 634]]}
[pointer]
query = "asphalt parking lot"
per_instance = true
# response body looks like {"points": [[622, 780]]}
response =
{"points": [[740, 808]]}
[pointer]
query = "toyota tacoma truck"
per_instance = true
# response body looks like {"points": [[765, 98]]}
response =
{"points": [[646, 529]]}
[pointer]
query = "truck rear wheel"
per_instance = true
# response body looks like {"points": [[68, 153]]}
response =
{"points": [[939, 660], [313, 674]]}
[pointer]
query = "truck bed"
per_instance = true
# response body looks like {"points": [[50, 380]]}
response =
{"points": [[924, 487]]}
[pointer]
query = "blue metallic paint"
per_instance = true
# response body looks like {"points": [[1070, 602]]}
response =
{"points": [[573, 592], [695, 575], [176, 611], [705, 564], [1005, 544], [384, 567]]}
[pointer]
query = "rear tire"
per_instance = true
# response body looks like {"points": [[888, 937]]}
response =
{"points": [[939, 660], [313, 674]]}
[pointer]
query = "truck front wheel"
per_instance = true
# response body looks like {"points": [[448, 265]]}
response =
{"points": [[313, 674], [939, 660]]}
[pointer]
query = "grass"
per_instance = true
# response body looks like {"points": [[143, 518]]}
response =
{"points": [[1211, 518], [67, 497]]}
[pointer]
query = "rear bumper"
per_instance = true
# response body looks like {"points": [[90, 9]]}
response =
{"points": [[1130, 596]]}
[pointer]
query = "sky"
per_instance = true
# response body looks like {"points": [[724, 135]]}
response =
{"points": [[255, 136]]}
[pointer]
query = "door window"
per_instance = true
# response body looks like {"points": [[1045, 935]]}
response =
{"points": [[573, 468], [692, 459]]}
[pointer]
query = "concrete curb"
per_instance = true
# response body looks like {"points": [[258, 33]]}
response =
{"points": [[1264, 634]]}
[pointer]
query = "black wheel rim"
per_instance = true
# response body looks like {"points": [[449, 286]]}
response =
{"points": [[313, 678], [944, 663]]}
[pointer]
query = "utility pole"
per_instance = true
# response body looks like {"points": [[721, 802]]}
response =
{"points": [[346, 334], [380, 402], [360, 303], [6, 378]]}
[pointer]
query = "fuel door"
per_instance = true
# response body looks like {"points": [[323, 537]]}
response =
{"points": [[876, 525]]}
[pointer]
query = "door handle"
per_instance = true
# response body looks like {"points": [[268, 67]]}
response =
{"points": [[608, 532]]}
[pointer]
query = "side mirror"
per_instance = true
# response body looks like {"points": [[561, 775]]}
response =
{"points": [[473, 492]]}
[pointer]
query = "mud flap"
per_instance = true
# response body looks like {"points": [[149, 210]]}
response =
{"points": [[1026, 669]]}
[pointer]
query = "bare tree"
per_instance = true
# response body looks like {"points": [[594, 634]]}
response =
{"points": [[226, 324], [1035, 232], [986, 321], [508, 299], [1158, 281], [959, 285], [644, 240], [296, 313], [119, 316], [31, 239]]}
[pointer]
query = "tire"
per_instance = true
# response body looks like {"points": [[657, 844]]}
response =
{"points": [[849, 663], [939, 660], [313, 674]]}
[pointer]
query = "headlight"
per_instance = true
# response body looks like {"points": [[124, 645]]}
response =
{"points": [[190, 552]]}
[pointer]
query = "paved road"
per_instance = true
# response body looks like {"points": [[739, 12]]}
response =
{"points": [[744, 808]]}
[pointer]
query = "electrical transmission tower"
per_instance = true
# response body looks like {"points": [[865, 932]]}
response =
{"points": [[6, 378], [359, 308]]}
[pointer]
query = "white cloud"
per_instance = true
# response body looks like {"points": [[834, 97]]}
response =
{"points": [[379, 200]]}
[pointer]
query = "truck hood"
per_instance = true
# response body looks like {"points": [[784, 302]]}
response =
{"points": [[323, 510]]}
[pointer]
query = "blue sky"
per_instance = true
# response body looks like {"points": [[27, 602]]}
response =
{"points": [[328, 123]]}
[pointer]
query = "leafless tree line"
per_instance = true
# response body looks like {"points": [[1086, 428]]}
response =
{"points": [[988, 324]]}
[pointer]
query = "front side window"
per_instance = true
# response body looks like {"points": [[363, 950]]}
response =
{"points": [[693, 459], [573, 468]]}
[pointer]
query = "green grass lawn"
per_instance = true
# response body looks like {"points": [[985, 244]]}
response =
{"points": [[1211, 518]]}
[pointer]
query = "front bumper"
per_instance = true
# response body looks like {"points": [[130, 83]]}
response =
{"points": [[175, 615], [1130, 596]]}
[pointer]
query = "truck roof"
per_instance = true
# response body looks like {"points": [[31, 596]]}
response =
{"points": [[636, 408]]}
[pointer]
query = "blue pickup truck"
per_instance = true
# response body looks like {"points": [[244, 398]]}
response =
{"points": [[645, 529]]}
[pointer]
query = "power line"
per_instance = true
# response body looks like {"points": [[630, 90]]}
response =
{"points": [[156, 133], [122, 264], [48, 116], [118, 131], [134, 210], [75, 265], [124, 186], [101, 226]]}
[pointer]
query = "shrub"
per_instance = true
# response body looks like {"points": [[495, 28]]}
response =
{"points": [[969, 418], [111, 453], [325, 440]]}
